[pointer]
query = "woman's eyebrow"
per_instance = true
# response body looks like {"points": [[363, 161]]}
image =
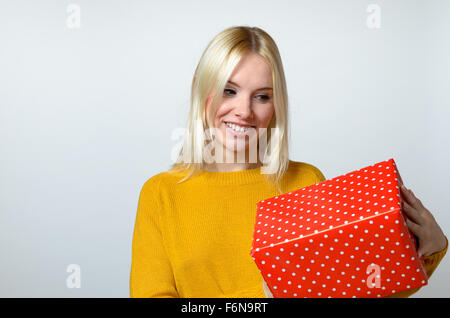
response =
{"points": [[231, 82]]}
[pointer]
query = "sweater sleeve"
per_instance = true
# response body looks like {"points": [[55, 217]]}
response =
{"points": [[431, 262], [319, 175], [151, 273]]}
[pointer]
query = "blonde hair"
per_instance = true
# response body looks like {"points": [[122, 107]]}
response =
{"points": [[216, 65]]}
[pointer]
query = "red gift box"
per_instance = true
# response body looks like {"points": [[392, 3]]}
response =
{"points": [[343, 237]]}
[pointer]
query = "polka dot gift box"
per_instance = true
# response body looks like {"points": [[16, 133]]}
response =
{"points": [[343, 237]]}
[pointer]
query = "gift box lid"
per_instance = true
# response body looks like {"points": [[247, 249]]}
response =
{"points": [[345, 199]]}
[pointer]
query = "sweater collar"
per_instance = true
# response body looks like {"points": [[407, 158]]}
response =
{"points": [[233, 177]]}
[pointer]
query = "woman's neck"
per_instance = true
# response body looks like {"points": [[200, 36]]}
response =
{"points": [[227, 167]]}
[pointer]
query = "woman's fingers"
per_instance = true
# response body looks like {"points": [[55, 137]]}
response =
{"points": [[414, 227], [412, 213], [411, 198], [266, 290]]}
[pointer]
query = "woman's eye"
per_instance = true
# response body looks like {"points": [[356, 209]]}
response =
{"points": [[264, 97], [228, 91]]}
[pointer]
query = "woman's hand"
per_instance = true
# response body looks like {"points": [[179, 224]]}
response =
{"points": [[422, 223], [266, 290]]}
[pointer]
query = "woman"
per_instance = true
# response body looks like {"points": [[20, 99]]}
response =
{"points": [[194, 222]]}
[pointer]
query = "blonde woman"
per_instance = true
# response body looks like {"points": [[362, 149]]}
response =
{"points": [[194, 222]]}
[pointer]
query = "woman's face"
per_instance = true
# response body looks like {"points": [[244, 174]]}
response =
{"points": [[247, 101]]}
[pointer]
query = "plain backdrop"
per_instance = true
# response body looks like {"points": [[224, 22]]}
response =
{"points": [[86, 116]]}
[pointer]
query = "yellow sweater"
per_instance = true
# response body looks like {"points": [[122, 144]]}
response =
{"points": [[193, 239]]}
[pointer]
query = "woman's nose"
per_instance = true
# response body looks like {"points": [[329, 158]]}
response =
{"points": [[244, 109]]}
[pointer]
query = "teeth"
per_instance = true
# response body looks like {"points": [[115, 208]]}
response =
{"points": [[236, 127]]}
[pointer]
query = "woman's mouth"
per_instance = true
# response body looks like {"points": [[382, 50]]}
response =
{"points": [[238, 130]]}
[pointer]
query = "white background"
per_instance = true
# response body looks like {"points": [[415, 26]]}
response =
{"points": [[86, 116]]}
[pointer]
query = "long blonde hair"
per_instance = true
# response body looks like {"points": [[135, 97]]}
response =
{"points": [[215, 67]]}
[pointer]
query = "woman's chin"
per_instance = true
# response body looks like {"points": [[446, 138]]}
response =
{"points": [[241, 148]]}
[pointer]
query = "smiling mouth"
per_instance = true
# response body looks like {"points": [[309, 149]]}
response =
{"points": [[238, 128]]}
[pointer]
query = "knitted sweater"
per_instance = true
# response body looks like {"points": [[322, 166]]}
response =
{"points": [[193, 239]]}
